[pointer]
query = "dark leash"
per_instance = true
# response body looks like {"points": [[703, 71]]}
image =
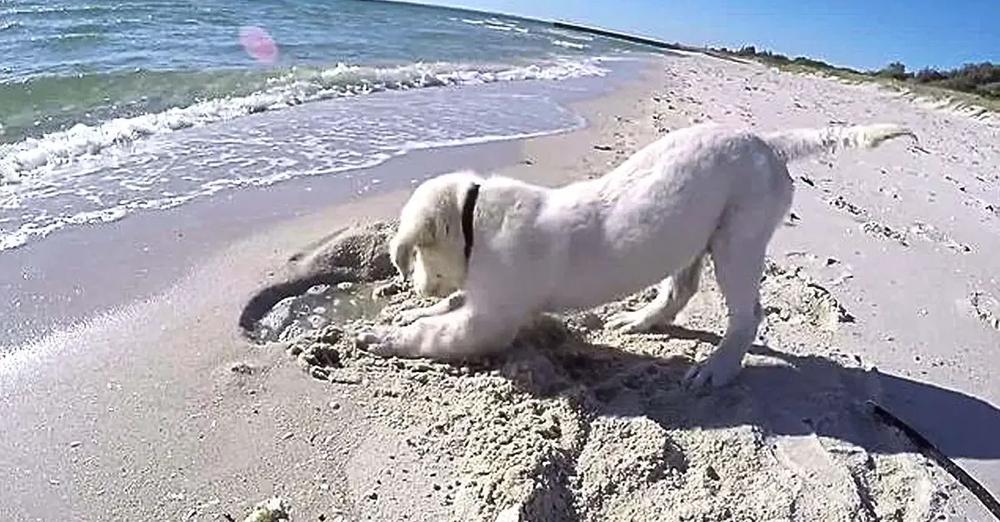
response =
{"points": [[932, 452]]}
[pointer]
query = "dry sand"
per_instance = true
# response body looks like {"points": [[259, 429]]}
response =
{"points": [[881, 286]]}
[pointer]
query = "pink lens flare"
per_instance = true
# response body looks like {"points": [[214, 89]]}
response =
{"points": [[258, 44]]}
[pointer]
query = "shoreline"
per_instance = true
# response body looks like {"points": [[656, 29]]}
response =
{"points": [[154, 250], [151, 250]]}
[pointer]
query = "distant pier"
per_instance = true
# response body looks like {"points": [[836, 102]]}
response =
{"points": [[621, 36]]}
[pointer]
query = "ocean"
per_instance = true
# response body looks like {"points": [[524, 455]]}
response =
{"points": [[110, 107]]}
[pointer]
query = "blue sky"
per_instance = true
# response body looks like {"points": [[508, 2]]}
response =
{"points": [[858, 33]]}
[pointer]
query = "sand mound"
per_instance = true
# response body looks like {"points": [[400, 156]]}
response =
{"points": [[579, 422]]}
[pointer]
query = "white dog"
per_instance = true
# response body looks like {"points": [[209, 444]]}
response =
{"points": [[506, 250]]}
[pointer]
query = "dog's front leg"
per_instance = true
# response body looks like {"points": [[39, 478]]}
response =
{"points": [[460, 333], [448, 304]]}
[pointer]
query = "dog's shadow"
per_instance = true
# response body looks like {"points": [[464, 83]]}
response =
{"points": [[780, 393]]}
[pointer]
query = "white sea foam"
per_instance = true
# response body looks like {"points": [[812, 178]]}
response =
{"points": [[32, 231], [567, 44], [33, 157], [270, 148], [571, 35], [496, 24]]}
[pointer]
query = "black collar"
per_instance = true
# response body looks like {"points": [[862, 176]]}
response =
{"points": [[468, 208]]}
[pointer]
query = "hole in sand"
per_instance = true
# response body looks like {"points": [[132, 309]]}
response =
{"points": [[321, 305], [331, 282]]}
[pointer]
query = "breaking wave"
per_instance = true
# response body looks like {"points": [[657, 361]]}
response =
{"points": [[34, 156]]}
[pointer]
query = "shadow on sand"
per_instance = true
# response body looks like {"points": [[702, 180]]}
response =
{"points": [[781, 393]]}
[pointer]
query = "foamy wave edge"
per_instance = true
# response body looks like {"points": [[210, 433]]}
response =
{"points": [[35, 156], [30, 231]]}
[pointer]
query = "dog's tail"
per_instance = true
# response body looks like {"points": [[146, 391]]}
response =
{"points": [[798, 143]]}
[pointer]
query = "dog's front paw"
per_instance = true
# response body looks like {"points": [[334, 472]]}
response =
{"points": [[409, 316], [717, 371], [389, 289], [380, 342], [631, 322]]}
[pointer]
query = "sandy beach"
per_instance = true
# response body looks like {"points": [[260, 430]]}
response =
{"points": [[881, 286]]}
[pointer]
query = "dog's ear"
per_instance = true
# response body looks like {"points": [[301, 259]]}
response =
{"points": [[410, 235], [401, 254]]}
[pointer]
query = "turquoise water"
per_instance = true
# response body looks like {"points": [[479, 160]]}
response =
{"points": [[99, 99], [84, 61]]}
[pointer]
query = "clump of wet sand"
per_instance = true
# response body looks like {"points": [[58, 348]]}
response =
{"points": [[579, 422]]}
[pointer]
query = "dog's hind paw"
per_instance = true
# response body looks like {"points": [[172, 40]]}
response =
{"points": [[631, 322], [716, 371]]}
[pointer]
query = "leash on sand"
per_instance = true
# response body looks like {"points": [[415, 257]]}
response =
{"points": [[930, 451]]}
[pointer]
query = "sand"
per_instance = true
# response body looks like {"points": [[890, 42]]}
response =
{"points": [[583, 423], [880, 287]]}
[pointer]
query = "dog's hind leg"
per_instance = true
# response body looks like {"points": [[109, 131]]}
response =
{"points": [[738, 271], [673, 294], [738, 248]]}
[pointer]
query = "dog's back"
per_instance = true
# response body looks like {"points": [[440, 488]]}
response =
{"points": [[658, 210]]}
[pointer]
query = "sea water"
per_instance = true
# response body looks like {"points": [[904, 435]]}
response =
{"points": [[112, 107]]}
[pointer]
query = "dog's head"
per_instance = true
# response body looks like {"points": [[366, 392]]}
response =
{"points": [[429, 242]]}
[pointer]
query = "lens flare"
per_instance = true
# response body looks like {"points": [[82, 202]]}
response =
{"points": [[258, 44]]}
